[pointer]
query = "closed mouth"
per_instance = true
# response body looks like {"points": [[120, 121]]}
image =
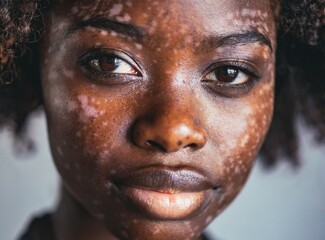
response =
{"points": [[166, 194]]}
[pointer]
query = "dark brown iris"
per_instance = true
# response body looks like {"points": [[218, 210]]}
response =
{"points": [[226, 74], [105, 63]]}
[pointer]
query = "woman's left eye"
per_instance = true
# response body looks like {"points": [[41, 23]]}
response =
{"points": [[228, 75]]}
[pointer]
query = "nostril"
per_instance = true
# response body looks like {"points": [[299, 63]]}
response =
{"points": [[192, 145], [154, 144]]}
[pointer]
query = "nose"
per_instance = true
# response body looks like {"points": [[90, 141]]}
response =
{"points": [[169, 131]]}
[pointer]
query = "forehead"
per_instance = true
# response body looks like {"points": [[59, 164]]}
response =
{"points": [[199, 16]]}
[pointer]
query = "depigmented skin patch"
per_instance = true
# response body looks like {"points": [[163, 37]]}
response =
{"points": [[167, 116]]}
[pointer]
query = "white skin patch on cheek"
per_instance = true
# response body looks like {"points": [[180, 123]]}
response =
{"points": [[87, 109]]}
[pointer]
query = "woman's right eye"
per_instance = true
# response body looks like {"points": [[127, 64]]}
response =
{"points": [[112, 64], [108, 68]]}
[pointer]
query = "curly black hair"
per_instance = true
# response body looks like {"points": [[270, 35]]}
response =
{"points": [[300, 71]]}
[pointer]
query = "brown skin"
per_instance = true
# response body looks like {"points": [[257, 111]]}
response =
{"points": [[163, 118]]}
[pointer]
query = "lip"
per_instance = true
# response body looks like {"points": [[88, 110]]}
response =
{"points": [[166, 180], [166, 194]]}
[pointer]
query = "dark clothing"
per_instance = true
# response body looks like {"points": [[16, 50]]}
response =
{"points": [[39, 229]]}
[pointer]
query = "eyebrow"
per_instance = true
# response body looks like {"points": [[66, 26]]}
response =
{"points": [[138, 33], [108, 24], [241, 38]]}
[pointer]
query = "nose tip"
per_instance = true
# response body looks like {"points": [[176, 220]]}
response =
{"points": [[169, 137]]}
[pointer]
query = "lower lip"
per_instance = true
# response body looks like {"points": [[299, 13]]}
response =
{"points": [[168, 205]]}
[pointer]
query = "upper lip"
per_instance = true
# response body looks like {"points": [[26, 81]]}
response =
{"points": [[165, 180]]}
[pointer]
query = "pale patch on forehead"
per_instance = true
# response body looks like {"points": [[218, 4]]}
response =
{"points": [[251, 18], [97, 8]]}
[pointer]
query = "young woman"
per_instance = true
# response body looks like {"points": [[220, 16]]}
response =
{"points": [[156, 110]]}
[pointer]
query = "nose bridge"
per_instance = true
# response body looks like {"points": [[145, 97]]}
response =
{"points": [[170, 124]]}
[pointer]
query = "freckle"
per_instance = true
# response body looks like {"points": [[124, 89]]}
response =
{"points": [[179, 143], [138, 46], [126, 18], [116, 9], [237, 170], [103, 33]]}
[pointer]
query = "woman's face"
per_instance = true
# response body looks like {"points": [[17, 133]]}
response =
{"points": [[157, 109]]}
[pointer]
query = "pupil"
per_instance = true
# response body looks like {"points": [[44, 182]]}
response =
{"points": [[110, 64], [226, 74]]}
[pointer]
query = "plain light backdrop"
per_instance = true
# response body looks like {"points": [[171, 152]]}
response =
{"points": [[282, 204]]}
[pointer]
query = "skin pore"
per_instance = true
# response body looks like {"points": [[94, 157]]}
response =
{"points": [[156, 111]]}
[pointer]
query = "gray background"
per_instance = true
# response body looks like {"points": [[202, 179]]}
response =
{"points": [[284, 204]]}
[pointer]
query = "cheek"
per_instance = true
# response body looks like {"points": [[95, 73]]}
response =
{"points": [[237, 138]]}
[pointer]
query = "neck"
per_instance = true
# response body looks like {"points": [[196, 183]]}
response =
{"points": [[72, 221]]}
